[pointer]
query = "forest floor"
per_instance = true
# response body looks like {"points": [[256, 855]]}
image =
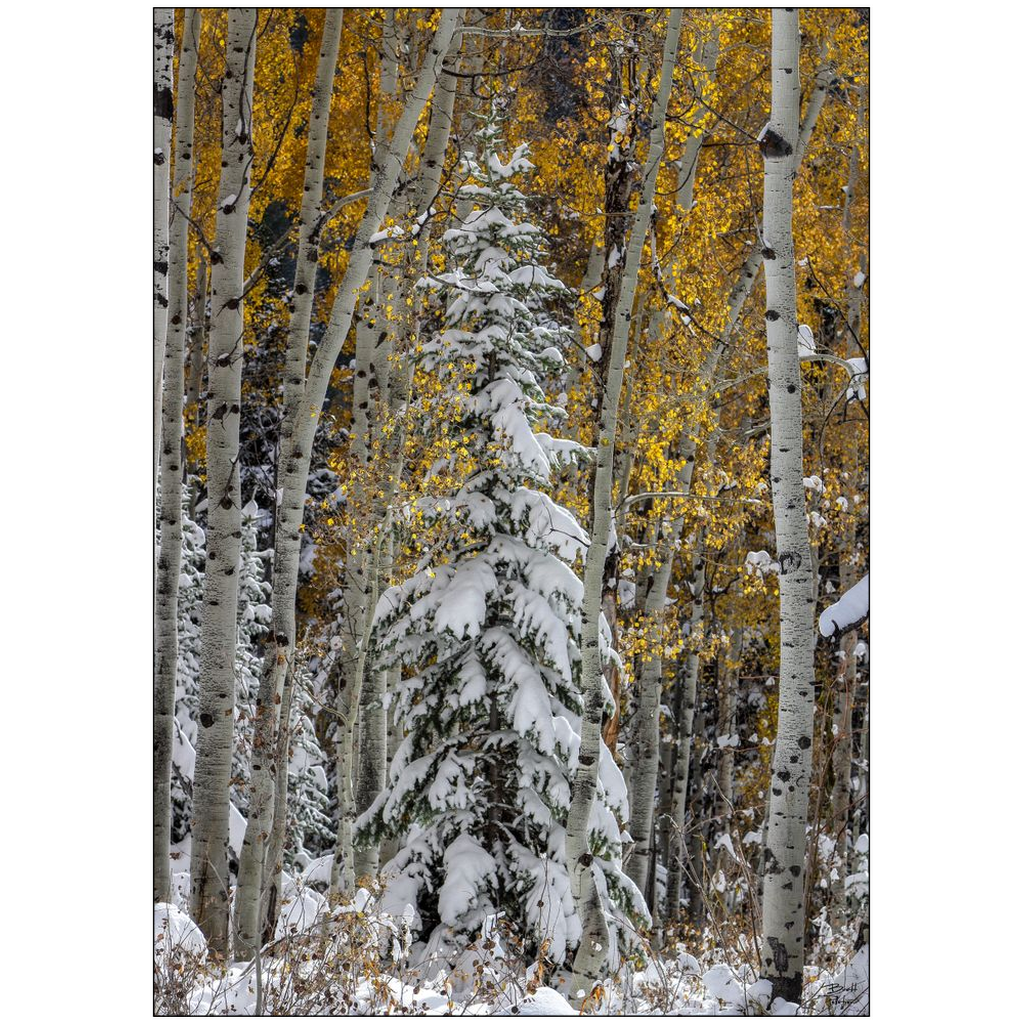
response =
{"points": [[356, 959]]}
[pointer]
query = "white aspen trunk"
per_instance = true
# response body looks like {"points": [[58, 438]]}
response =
{"points": [[389, 847], [196, 367], [687, 163], [822, 80], [349, 675], [302, 415], [271, 899], [855, 289], [842, 756], [372, 345], [210, 881], [728, 687], [684, 737], [646, 757], [782, 945], [255, 867], [373, 735], [592, 950], [371, 333], [727, 727], [693, 847], [667, 770], [163, 115], [169, 559], [738, 296]]}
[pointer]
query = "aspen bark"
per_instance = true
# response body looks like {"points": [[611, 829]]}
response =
{"points": [[196, 368], [169, 559], [842, 756], [210, 882], [349, 676], [271, 898], [390, 846], [255, 868], [696, 840], [373, 336], [373, 737], [782, 945], [673, 755], [686, 165], [163, 115], [648, 732], [684, 737], [592, 950], [727, 727], [846, 681]]}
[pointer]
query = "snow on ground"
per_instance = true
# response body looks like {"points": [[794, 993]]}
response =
{"points": [[358, 960]]}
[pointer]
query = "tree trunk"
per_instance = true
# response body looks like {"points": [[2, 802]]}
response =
{"points": [[695, 841], [163, 115], [279, 829], [648, 724], [686, 165], [390, 847], [210, 882], [681, 781], [196, 368], [738, 295], [373, 739], [590, 954], [255, 868], [371, 369], [842, 755], [727, 727], [169, 560], [782, 946]]}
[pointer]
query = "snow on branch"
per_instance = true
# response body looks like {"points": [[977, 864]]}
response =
{"points": [[847, 613]]}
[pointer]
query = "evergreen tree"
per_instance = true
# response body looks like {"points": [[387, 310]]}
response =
{"points": [[489, 630], [186, 690], [310, 831], [254, 592]]}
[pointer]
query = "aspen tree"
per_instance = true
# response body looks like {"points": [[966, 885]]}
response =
{"points": [[270, 900], [842, 754], [782, 944], [681, 780], [210, 882], [163, 115], [254, 867], [672, 759], [169, 559], [846, 677], [726, 727], [373, 736], [645, 750], [592, 950], [302, 413], [362, 554]]}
